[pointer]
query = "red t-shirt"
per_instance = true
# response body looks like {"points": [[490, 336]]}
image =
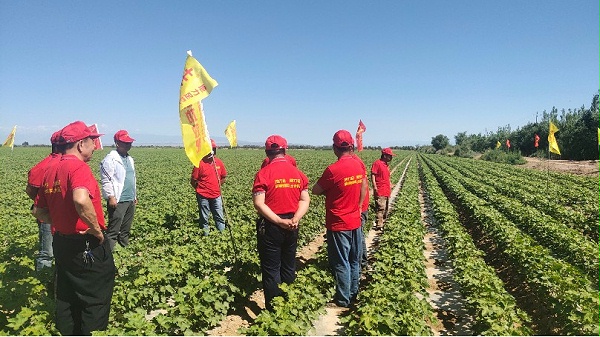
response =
{"points": [[342, 182], [287, 157], [56, 194], [282, 183], [35, 177], [365, 204], [208, 185], [382, 178]]}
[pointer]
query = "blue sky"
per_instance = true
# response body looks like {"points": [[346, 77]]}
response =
{"points": [[304, 69]]}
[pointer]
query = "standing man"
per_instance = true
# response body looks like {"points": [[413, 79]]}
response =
{"points": [[344, 185], [206, 180], [70, 200], [35, 179], [382, 189], [280, 195], [117, 174]]}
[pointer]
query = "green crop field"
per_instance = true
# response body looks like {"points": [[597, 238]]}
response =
{"points": [[524, 246]]}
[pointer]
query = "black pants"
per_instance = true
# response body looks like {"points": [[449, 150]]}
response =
{"points": [[277, 253], [83, 288]]}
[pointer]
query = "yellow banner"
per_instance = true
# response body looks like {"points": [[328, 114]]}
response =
{"points": [[196, 84], [498, 144], [231, 134], [10, 140], [553, 145]]}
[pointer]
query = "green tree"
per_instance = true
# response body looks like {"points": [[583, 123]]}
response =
{"points": [[439, 142]]}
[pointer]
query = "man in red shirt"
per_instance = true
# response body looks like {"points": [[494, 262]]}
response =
{"points": [[344, 185], [280, 195], [70, 200], [206, 180], [35, 178], [382, 189]]}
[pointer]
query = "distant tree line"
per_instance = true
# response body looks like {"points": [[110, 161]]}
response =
{"points": [[577, 137]]}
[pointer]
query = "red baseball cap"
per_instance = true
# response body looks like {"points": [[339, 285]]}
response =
{"points": [[275, 142], [123, 136], [76, 131], [388, 151], [213, 143], [54, 139], [343, 138]]}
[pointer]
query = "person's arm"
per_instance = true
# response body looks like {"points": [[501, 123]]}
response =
{"points": [[87, 213], [41, 214], [31, 191], [302, 207], [374, 184], [265, 211], [317, 190], [363, 192], [107, 175]]}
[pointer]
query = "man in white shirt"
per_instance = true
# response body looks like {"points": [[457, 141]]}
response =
{"points": [[117, 175]]}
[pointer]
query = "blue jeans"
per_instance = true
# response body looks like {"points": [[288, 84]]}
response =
{"points": [[45, 255], [207, 206], [344, 249]]}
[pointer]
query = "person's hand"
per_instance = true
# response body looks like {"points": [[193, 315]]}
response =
{"points": [[285, 224], [99, 235], [112, 202]]}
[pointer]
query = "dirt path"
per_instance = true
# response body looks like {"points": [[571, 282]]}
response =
{"points": [[444, 295], [583, 167]]}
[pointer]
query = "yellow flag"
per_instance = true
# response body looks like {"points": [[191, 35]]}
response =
{"points": [[498, 144], [231, 134], [196, 84], [10, 140], [552, 140], [598, 136]]}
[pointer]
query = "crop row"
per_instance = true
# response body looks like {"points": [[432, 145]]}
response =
{"points": [[493, 309], [561, 292]]}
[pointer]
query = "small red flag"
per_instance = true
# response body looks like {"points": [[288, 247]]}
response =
{"points": [[97, 141], [508, 143], [536, 143], [361, 128]]}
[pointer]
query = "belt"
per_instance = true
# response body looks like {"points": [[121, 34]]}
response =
{"points": [[76, 236]]}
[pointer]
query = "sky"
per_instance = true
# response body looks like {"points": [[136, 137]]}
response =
{"points": [[409, 69]]}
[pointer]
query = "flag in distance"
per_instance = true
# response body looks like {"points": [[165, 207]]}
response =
{"points": [[196, 84], [508, 143], [10, 140], [231, 134], [498, 144], [552, 144], [361, 129], [536, 141], [97, 140]]}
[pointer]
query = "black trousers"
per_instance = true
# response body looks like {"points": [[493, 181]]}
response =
{"points": [[84, 288], [277, 253]]}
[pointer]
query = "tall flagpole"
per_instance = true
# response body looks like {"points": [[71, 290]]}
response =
{"points": [[235, 252]]}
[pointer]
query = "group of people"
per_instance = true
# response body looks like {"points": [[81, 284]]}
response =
{"points": [[280, 194], [68, 208], [72, 229]]}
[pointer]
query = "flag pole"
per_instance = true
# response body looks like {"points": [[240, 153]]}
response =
{"points": [[235, 252]]}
